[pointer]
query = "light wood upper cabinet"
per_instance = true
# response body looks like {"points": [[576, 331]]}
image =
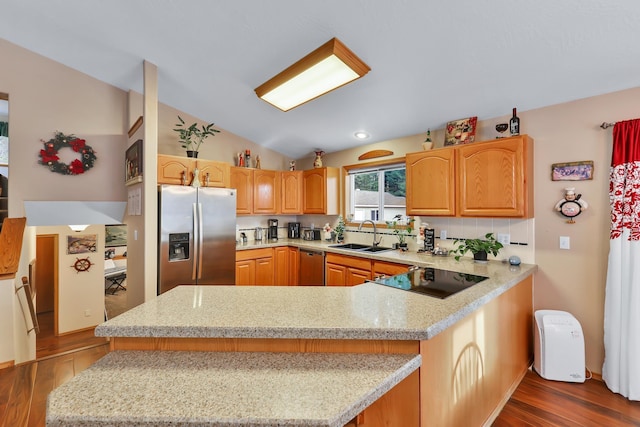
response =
{"points": [[175, 169], [321, 194], [495, 178], [266, 186], [291, 190], [482, 179], [242, 180], [213, 173], [431, 182], [258, 190], [178, 170]]}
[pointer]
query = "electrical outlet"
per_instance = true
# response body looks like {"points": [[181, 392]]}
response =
{"points": [[565, 242], [443, 234], [504, 238], [87, 313]]}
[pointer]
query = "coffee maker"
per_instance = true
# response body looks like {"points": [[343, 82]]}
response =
{"points": [[293, 230], [272, 231]]}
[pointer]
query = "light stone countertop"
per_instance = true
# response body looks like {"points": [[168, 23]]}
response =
{"points": [[130, 388], [367, 311]]}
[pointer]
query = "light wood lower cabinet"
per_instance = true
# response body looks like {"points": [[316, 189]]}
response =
{"points": [[286, 266], [255, 267], [342, 270], [383, 268]]}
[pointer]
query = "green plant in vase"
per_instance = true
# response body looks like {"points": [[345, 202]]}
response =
{"points": [[402, 229], [191, 137], [478, 247]]}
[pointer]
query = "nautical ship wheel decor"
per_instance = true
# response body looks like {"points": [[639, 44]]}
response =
{"points": [[82, 264]]}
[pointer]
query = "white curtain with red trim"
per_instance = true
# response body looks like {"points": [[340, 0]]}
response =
{"points": [[621, 369]]}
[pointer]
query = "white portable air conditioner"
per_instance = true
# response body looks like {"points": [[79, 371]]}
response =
{"points": [[559, 347]]}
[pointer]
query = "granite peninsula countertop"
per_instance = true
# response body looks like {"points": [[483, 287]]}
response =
{"points": [[133, 388], [368, 311]]}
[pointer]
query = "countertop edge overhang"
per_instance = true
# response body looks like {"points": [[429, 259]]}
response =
{"points": [[502, 277]]}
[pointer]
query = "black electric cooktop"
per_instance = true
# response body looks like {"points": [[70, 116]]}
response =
{"points": [[432, 281]]}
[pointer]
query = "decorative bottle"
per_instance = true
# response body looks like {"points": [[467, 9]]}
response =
{"points": [[514, 124], [247, 158]]}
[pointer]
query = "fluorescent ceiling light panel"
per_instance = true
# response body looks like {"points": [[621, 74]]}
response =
{"points": [[330, 66]]}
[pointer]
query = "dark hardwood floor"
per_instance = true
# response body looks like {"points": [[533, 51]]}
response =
{"points": [[536, 401], [47, 344]]}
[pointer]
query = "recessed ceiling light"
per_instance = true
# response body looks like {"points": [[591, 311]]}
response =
{"points": [[361, 135]]}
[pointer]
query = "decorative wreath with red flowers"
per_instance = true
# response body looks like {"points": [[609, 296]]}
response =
{"points": [[49, 155]]}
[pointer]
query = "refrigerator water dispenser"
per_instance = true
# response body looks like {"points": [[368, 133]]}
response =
{"points": [[178, 246], [558, 346]]}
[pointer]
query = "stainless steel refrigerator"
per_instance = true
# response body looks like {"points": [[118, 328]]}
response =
{"points": [[197, 236]]}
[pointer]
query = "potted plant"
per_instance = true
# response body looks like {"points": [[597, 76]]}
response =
{"points": [[402, 229], [339, 229], [478, 247], [191, 137]]}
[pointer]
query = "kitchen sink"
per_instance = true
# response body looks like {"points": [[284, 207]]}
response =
{"points": [[361, 248], [376, 249], [353, 246]]}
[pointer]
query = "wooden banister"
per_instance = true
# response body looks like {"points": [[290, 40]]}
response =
{"points": [[11, 246]]}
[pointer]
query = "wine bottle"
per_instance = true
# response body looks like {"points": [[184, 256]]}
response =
{"points": [[514, 124]]}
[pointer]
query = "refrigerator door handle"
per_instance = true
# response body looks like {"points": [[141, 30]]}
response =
{"points": [[200, 241], [196, 246]]}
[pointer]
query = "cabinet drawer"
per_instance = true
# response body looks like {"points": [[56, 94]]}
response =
{"points": [[254, 254], [349, 261]]}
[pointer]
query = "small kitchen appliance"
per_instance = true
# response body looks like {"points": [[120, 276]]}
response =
{"points": [[272, 232], [293, 230], [311, 234], [558, 346], [257, 234]]}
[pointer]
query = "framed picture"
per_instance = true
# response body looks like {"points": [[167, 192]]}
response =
{"points": [[572, 171], [133, 163], [115, 235], [80, 244], [461, 131]]}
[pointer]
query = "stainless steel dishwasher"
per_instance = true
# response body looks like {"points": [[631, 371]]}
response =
{"points": [[311, 268]]}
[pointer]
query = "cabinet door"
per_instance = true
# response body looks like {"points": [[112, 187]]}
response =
{"points": [[492, 178], [355, 276], [245, 272], [291, 192], [175, 170], [282, 265], [321, 191], [335, 275], [266, 184], [431, 182], [381, 268], [294, 266], [264, 271], [213, 173], [242, 180]]}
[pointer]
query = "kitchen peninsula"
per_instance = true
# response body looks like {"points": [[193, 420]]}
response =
{"points": [[474, 346]]}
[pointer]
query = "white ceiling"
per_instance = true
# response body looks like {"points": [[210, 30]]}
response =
{"points": [[431, 61]]}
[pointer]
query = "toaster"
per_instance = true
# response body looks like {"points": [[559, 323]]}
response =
{"points": [[311, 234]]}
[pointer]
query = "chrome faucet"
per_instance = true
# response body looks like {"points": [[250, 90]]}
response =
{"points": [[376, 241]]}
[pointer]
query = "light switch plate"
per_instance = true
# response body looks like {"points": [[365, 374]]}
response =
{"points": [[443, 234], [565, 242]]}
